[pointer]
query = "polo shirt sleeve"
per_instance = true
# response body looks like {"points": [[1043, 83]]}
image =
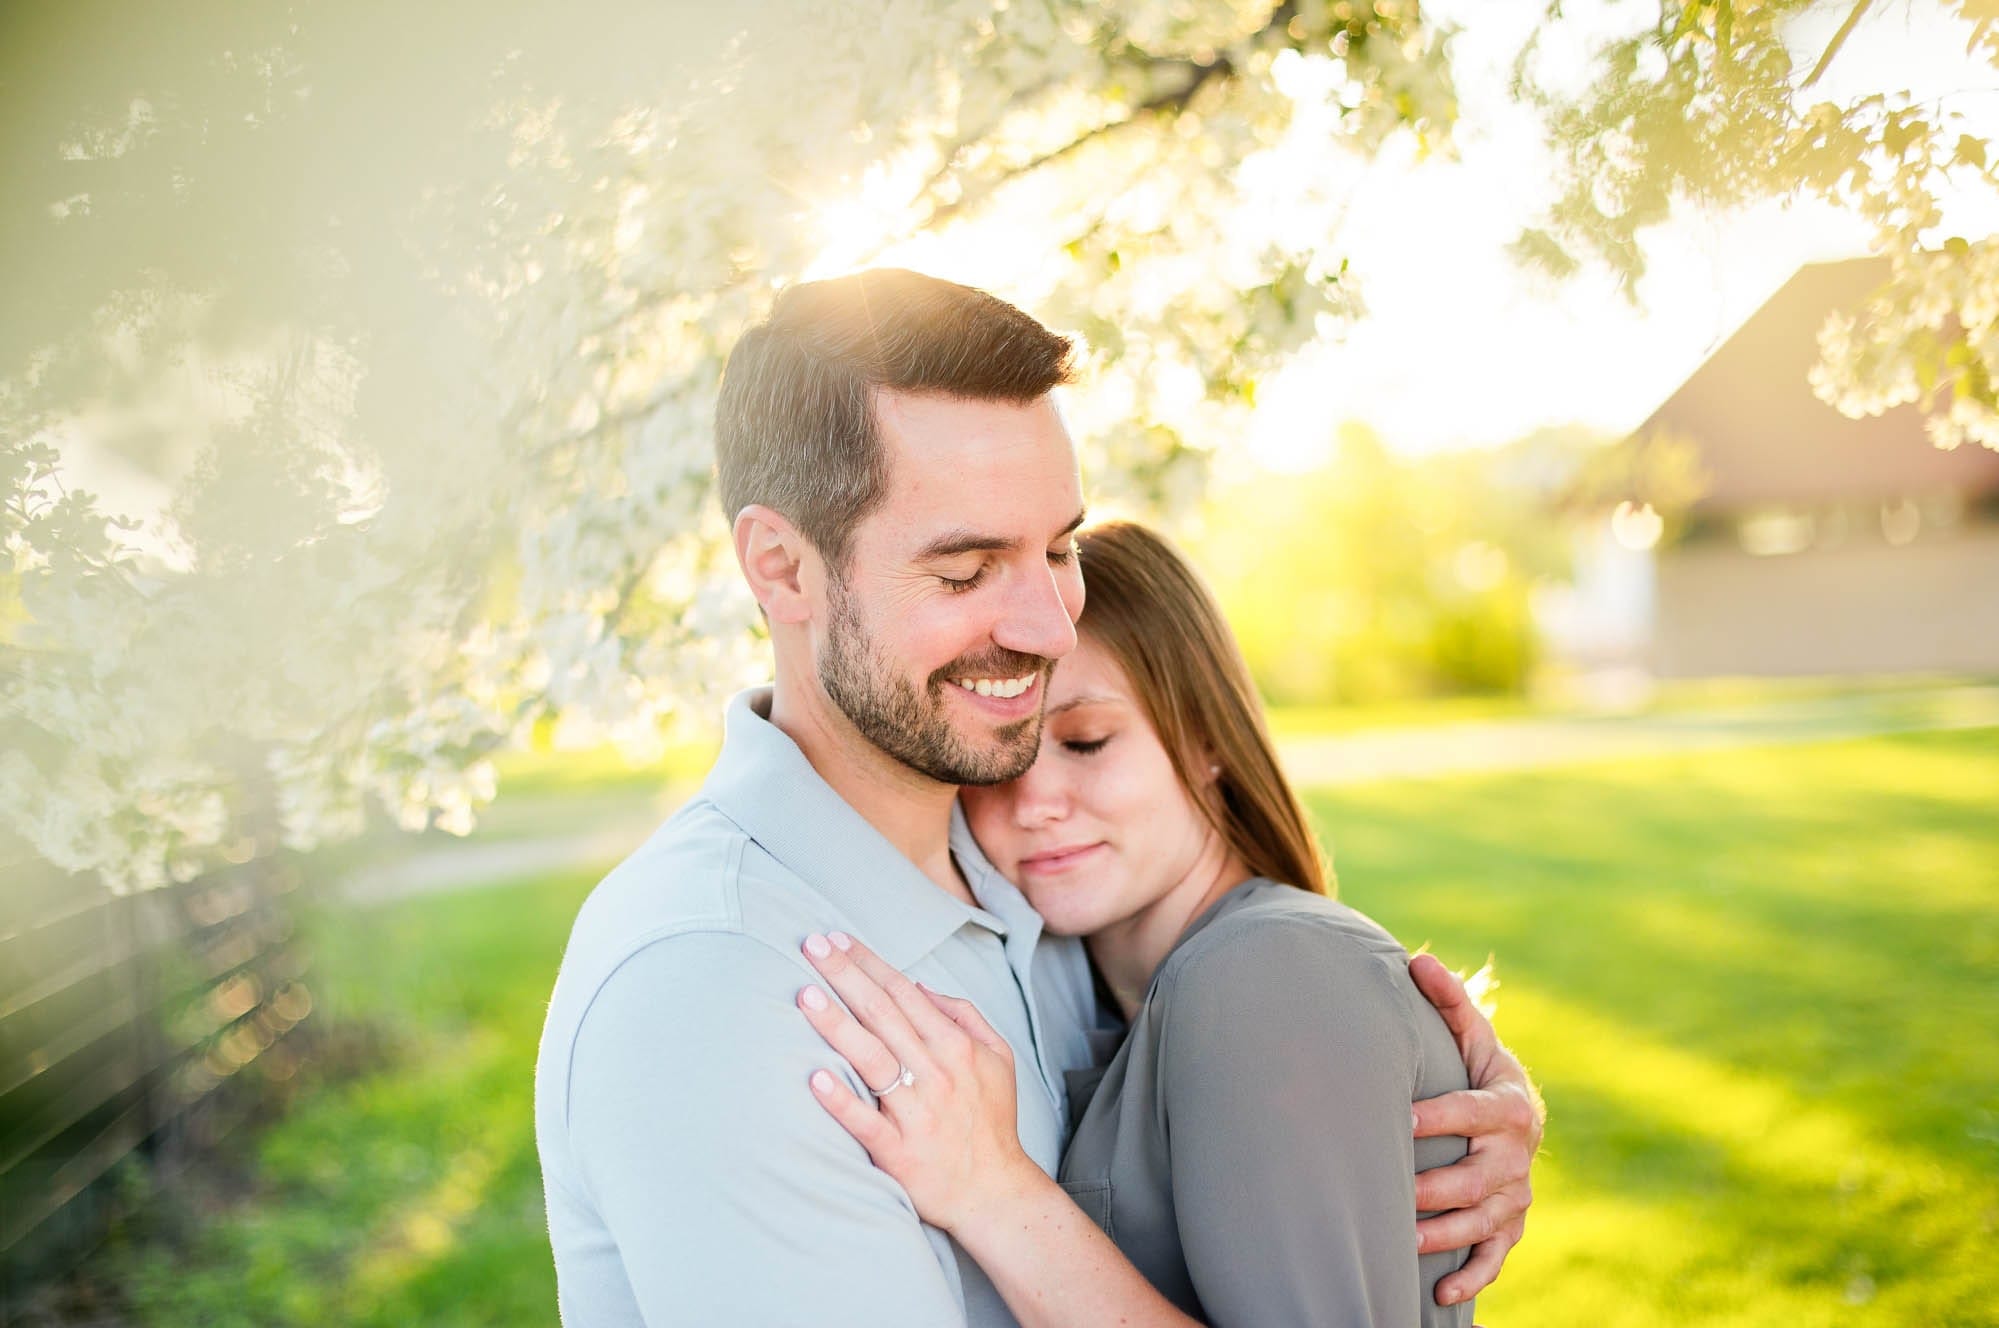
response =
{"points": [[731, 1194], [1288, 1059]]}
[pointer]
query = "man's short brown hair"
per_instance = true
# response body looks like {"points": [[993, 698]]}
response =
{"points": [[795, 428]]}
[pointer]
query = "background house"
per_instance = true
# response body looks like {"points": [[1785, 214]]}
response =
{"points": [[1820, 544]]}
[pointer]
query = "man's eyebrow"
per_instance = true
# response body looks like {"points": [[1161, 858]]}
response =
{"points": [[963, 540], [956, 542]]}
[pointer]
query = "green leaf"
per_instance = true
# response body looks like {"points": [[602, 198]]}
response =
{"points": [[1689, 16]]}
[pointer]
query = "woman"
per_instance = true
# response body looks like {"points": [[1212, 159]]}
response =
{"points": [[1248, 1148]]}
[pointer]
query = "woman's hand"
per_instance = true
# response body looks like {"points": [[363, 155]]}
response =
{"points": [[947, 1130]]}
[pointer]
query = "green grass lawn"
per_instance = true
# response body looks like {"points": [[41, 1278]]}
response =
{"points": [[1761, 994], [407, 1195], [1758, 989]]}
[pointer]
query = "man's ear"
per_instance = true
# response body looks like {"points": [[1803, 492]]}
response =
{"points": [[777, 561]]}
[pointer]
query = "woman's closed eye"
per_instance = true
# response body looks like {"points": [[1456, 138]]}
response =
{"points": [[1085, 746]]}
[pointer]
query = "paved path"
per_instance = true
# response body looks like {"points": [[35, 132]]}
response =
{"points": [[620, 825], [493, 861]]}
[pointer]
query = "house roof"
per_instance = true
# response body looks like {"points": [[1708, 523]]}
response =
{"points": [[1765, 438]]}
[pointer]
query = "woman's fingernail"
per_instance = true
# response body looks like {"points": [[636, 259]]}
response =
{"points": [[822, 1082], [816, 946], [814, 998], [841, 939]]}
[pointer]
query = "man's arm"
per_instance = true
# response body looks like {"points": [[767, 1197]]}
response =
{"points": [[731, 1196], [1489, 1191]]}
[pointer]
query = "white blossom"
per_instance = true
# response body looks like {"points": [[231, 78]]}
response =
{"points": [[475, 494]]}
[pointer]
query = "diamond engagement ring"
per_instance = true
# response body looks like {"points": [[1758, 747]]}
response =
{"points": [[902, 1080]]}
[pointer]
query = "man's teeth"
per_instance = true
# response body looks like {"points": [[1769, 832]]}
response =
{"points": [[1001, 687]]}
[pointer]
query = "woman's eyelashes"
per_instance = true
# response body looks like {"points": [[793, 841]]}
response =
{"points": [[1085, 746]]}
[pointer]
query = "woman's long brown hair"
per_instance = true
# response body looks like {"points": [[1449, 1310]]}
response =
{"points": [[1153, 614]]}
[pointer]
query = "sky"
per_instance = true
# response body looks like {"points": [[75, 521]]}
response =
{"points": [[1462, 347]]}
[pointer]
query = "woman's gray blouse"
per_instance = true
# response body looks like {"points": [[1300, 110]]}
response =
{"points": [[1249, 1145]]}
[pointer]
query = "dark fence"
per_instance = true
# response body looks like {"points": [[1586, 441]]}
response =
{"points": [[124, 1021]]}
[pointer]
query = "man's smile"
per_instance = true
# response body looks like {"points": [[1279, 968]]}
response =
{"points": [[1001, 687]]}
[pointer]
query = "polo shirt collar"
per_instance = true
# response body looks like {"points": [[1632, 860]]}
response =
{"points": [[997, 896], [764, 784]]}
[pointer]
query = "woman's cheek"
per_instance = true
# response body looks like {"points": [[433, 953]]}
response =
{"points": [[989, 813]]}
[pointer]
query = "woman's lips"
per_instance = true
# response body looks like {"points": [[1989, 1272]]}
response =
{"points": [[1054, 860]]}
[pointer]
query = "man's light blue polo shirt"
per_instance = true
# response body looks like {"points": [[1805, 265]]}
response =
{"points": [[690, 1175]]}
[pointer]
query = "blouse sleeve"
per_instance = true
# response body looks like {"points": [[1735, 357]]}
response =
{"points": [[1288, 1061]]}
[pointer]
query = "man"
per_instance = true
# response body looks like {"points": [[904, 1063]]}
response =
{"points": [[904, 493]]}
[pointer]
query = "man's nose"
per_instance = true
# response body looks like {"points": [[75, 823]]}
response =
{"points": [[1037, 618]]}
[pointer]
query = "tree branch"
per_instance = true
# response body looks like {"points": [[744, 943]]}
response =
{"points": [[1220, 66], [1200, 74], [1838, 40]]}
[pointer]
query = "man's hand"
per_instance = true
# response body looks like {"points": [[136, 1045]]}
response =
{"points": [[1482, 1200]]}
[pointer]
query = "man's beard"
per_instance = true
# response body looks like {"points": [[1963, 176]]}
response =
{"points": [[914, 727]]}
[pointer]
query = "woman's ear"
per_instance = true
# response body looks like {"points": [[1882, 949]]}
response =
{"points": [[1204, 770], [777, 561], [1207, 767]]}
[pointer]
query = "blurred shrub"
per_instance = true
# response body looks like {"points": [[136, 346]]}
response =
{"points": [[1375, 577]]}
